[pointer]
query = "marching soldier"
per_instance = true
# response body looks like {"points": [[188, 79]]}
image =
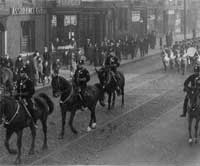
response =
{"points": [[81, 77], [189, 84], [25, 90]]}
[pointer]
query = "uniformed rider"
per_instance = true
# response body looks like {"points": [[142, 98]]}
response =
{"points": [[112, 63], [192, 82], [24, 91], [81, 77]]}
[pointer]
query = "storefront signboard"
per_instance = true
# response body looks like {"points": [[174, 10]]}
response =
{"points": [[135, 16], [27, 11]]}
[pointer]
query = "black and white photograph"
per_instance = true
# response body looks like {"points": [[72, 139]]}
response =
{"points": [[100, 82]]}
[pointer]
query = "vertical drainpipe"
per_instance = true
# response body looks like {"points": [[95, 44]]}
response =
{"points": [[6, 42]]}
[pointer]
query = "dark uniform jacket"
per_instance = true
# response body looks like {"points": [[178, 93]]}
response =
{"points": [[25, 88], [81, 77], [112, 62], [190, 80]]}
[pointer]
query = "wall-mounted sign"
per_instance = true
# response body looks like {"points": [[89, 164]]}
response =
{"points": [[65, 3], [135, 15], [27, 11]]}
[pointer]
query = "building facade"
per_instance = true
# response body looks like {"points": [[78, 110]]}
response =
{"points": [[22, 27]]}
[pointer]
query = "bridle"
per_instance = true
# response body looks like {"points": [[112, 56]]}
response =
{"points": [[61, 92], [8, 122]]}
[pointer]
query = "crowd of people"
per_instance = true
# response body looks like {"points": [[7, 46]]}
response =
{"points": [[127, 46], [37, 66], [181, 54]]}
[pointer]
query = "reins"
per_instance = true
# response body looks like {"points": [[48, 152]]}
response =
{"points": [[70, 95], [13, 117]]}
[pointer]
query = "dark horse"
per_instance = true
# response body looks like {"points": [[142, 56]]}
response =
{"points": [[6, 79], [193, 110], [69, 101], [106, 78], [16, 118]]}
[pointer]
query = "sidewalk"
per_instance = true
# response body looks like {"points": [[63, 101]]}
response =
{"points": [[66, 73]]}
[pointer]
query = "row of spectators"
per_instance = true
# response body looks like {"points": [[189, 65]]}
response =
{"points": [[38, 66], [95, 53]]}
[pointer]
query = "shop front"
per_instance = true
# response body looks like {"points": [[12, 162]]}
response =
{"points": [[67, 25], [26, 31]]}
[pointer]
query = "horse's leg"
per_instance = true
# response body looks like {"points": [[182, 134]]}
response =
{"points": [[19, 145], [92, 123], [8, 136], [113, 99], [63, 114], [189, 128], [109, 100], [122, 97], [33, 133], [196, 130], [73, 112], [44, 128]]}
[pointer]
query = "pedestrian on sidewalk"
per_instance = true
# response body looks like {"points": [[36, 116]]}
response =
{"points": [[56, 67]]}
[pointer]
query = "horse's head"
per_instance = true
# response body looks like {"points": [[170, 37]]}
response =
{"points": [[56, 85], [59, 85], [194, 99], [102, 75]]}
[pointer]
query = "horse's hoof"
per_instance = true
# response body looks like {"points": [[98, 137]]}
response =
{"points": [[94, 125], [31, 152], [89, 129], [44, 147], [17, 161], [13, 151], [195, 140], [190, 141], [74, 131]]}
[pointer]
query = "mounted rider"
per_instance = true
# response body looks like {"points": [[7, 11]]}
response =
{"points": [[112, 63], [192, 82], [25, 90], [81, 77]]}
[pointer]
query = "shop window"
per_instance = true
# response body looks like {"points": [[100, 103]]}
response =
{"points": [[27, 36]]}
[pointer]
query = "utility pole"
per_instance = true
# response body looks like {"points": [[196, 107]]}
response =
{"points": [[185, 20]]}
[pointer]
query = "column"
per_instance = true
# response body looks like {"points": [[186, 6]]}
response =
{"points": [[6, 42]]}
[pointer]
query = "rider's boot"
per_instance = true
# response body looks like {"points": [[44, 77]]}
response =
{"points": [[83, 105], [184, 107]]}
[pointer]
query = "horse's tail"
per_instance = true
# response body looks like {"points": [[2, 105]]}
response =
{"points": [[48, 101]]}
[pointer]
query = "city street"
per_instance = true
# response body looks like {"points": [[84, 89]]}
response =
{"points": [[147, 131]]}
